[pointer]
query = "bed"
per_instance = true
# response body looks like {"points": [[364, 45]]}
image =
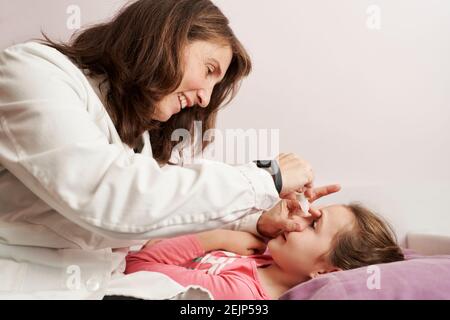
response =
{"points": [[425, 274]]}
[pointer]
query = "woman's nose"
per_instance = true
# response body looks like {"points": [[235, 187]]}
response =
{"points": [[203, 98]]}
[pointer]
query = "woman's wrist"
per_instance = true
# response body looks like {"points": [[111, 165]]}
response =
{"points": [[273, 168]]}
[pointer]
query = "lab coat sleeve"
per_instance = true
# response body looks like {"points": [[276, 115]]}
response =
{"points": [[247, 223], [50, 141]]}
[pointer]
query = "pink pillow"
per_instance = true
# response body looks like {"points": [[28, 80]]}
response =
{"points": [[418, 277]]}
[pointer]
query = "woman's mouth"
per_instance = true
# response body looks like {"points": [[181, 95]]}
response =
{"points": [[182, 100]]}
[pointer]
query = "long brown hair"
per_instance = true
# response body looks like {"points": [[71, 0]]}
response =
{"points": [[371, 240], [139, 52]]}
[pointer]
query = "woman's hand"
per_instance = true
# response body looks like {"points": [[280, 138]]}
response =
{"points": [[278, 220], [296, 173], [312, 194], [239, 242], [285, 215]]}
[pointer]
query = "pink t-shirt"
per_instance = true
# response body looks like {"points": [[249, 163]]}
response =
{"points": [[226, 275]]}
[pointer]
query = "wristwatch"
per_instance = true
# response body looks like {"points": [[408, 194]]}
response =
{"points": [[273, 168]]}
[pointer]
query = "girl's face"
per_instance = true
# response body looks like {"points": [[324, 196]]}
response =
{"points": [[302, 253], [205, 65]]}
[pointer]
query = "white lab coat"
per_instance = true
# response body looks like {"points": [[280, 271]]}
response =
{"points": [[71, 193]]}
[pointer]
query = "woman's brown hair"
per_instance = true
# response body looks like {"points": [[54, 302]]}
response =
{"points": [[140, 51], [370, 240]]}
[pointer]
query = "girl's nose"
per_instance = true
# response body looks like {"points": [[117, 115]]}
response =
{"points": [[304, 222]]}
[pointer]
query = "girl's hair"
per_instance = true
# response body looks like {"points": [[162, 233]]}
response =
{"points": [[371, 240], [140, 52]]}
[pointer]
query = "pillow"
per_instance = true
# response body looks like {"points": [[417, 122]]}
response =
{"points": [[418, 277]]}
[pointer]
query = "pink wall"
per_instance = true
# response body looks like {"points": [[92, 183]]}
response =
{"points": [[21, 20]]}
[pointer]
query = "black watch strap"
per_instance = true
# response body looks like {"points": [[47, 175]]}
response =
{"points": [[274, 169]]}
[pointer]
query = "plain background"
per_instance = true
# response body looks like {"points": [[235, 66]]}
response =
{"points": [[369, 109]]}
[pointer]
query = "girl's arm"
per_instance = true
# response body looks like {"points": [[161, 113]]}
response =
{"points": [[166, 256], [176, 251], [240, 242]]}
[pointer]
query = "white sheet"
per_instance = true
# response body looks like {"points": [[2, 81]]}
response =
{"points": [[155, 286]]}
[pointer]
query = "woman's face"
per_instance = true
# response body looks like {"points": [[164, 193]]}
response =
{"points": [[205, 65], [301, 253]]}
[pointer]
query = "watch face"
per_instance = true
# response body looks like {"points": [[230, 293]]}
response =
{"points": [[264, 163]]}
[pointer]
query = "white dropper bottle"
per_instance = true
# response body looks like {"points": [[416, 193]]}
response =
{"points": [[304, 203]]}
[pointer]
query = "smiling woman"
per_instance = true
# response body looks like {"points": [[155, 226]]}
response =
{"points": [[86, 142], [203, 64], [153, 53]]}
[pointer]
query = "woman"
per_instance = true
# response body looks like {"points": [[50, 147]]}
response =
{"points": [[78, 175]]}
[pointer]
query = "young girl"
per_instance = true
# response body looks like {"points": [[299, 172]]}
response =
{"points": [[222, 261]]}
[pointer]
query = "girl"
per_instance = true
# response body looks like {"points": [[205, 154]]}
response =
{"points": [[223, 261]]}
